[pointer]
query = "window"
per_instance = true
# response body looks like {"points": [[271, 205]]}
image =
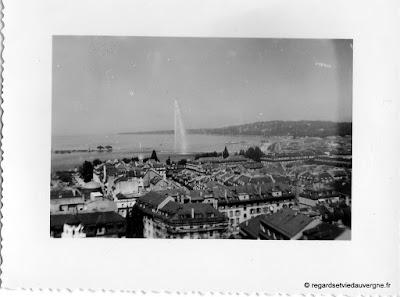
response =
{"points": [[237, 213], [211, 233], [244, 208], [245, 215], [258, 210], [237, 220], [232, 221], [101, 231], [231, 213]]}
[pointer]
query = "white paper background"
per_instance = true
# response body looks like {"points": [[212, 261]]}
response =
{"points": [[32, 259]]}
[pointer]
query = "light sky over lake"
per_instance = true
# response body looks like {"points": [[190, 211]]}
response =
{"points": [[129, 84]]}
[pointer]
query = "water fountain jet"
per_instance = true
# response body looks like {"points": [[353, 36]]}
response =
{"points": [[180, 132]]}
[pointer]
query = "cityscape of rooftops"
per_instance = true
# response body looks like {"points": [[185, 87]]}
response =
{"points": [[201, 138]]}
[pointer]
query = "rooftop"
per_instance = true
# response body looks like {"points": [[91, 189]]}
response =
{"points": [[323, 231], [287, 222], [86, 218]]}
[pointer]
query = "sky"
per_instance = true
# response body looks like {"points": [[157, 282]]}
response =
{"points": [[129, 84]]}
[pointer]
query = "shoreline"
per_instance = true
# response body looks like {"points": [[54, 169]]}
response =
{"points": [[68, 162]]}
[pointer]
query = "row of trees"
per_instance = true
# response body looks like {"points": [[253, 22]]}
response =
{"points": [[253, 153], [224, 154], [107, 147]]}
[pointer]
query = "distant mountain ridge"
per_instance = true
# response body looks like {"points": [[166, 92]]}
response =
{"points": [[274, 128]]}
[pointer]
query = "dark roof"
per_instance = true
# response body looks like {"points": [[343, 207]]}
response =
{"points": [[344, 189], [171, 207], [254, 165], [177, 213], [252, 227], [245, 179], [155, 180], [65, 193], [208, 160], [86, 218], [111, 170], [260, 179], [152, 198], [203, 209], [120, 196], [287, 222], [235, 158], [171, 192], [323, 231]]}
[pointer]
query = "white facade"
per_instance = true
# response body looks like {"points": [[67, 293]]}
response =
{"points": [[238, 214], [73, 231]]}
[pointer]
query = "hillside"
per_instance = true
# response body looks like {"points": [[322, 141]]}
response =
{"points": [[281, 128], [275, 128]]}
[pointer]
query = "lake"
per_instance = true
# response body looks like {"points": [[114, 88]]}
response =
{"points": [[141, 145]]}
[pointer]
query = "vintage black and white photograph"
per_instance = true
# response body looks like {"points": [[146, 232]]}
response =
{"points": [[201, 138]]}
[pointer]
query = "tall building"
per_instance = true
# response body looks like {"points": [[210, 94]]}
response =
{"points": [[158, 216]]}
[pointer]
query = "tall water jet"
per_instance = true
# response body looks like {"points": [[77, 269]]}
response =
{"points": [[180, 133]]}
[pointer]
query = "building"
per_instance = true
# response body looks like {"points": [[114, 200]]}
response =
{"points": [[284, 158], [162, 217], [334, 161], [66, 200], [325, 231], [285, 224], [124, 204], [250, 229], [314, 197], [71, 201], [150, 175], [127, 185], [97, 224], [241, 203]]}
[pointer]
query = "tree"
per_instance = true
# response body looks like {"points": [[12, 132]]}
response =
{"points": [[126, 160], [64, 176], [135, 159], [96, 162], [168, 162], [182, 162], [154, 156], [258, 154], [225, 154], [100, 148], [253, 153], [108, 147], [86, 171]]}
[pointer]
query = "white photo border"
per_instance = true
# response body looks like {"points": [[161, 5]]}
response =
{"points": [[31, 259]]}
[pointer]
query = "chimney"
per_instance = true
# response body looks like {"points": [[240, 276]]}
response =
{"points": [[259, 191], [192, 213], [226, 194]]}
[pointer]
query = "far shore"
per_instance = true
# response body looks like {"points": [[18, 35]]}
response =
{"points": [[67, 162]]}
